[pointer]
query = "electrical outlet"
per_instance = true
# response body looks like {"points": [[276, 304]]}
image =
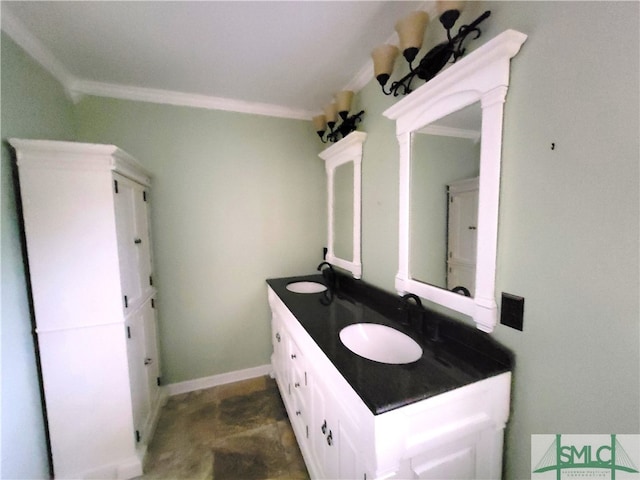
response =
{"points": [[512, 311]]}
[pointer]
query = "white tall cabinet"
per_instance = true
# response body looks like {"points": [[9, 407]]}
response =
{"points": [[86, 220]]}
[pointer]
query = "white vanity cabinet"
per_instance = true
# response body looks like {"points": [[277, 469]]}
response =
{"points": [[325, 432], [86, 222], [454, 435]]}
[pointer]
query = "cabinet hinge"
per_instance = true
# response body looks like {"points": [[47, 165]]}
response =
{"points": [[138, 437], [144, 195], [126, 302], [153, 303], [128, 332], [150, 280], [115, 186], [158, 382]]}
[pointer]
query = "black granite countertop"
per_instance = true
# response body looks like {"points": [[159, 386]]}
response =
{"points": [[463, 355]]}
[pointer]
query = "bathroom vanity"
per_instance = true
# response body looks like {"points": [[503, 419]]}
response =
{"points": [[441, 416]]}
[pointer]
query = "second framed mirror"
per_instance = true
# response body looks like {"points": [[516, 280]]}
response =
{"points": [[343, 163]]}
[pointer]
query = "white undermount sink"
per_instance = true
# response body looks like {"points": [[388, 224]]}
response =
{"points": [[380, 343], [306, 287]]}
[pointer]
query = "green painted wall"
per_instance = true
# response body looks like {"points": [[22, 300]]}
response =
{"points": [[33, 106], [569, 217], [239, 198], [236, 199]]}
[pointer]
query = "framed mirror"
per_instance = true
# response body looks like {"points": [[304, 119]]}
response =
{"points": [[450, 181], [343, 163], [445, 164]]}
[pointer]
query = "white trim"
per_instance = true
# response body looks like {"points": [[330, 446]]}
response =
{"points": [[216, 380], [54, 154], [41, 54], [482, 76], [169, 97], [349, 149], [76, 88], [443, 131]]}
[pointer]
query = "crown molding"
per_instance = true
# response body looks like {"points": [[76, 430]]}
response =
{"points": [[76, 88], [169, 97], [443, 131], [30, 44]]}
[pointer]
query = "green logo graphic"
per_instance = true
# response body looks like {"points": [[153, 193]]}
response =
{"points": [[588, 458]]}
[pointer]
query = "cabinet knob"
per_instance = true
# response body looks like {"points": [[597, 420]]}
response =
{"points": [[330, 438], [278, 337], [137, 241], [298, 413], [324, 427], [472, 228], [148, 361], [293, 356], [297, 384]]}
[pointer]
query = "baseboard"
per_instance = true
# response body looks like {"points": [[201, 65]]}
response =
{"points": [[215, 380]]}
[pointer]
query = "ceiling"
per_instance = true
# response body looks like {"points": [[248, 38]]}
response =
{"points": [[275, 58]]}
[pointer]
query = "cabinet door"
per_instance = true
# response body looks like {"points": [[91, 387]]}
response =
{"points": [[297, 388], [348, 453], [136, 351], [278, 340], [144, 366], [151, 355], [134, 241], [454, 461]]}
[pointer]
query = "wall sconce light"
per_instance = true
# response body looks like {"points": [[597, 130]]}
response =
{"points": [[411, 33], [339, 108]]}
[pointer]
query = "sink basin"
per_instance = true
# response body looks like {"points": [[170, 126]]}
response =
{"points": [[306, 287], [380, 343]]}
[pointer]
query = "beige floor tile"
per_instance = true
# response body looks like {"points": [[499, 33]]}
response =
{"points": [[234, 431]]}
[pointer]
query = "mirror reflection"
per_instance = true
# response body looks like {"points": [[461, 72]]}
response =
{"points": [[343, 211], [445, 165]]}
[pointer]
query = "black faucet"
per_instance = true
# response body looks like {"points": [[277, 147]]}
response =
{"points": [[405, 306], [461, 290], [329, 275]]}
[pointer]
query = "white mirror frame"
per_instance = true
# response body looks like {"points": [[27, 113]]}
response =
{"points": [[349, 149], [481, 76]]}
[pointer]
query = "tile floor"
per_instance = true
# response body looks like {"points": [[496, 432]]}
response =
{"points": [[234, 431]]}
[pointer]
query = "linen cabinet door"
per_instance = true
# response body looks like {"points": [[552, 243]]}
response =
{"points": [[125, 212], [142, 240], [136, 351], [144, 366], [152, 354]]}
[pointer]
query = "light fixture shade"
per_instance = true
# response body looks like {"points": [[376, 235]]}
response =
{"points": [[383, 59], [343, 100], [331, 112], [446, 5], [411, 30], [319, 123]]}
